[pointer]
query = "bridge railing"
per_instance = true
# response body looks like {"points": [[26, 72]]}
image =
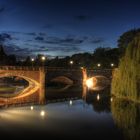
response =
{"points": [[77, 69], [62, 69], [50, 68], [100, 70], [19, 68]]}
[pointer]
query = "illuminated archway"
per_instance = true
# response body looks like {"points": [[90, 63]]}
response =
{"points": [[35, 78], [34, 85]]}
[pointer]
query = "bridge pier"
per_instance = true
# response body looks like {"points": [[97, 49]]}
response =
{"points": [[42, 99], [84, 72]]}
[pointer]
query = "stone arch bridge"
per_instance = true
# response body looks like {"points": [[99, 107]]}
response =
{"points": [[37, 77], [76, 75]]}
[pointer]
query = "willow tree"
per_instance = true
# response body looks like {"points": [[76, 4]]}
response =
{"points": [[126, 38], [126, 79], [126, 116]]}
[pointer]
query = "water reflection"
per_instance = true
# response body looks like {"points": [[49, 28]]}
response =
{"points": [[126, 115], [70, 102], [12, 85], [90, 115], [100, 100], [32, 107], [42, 113], [98, 97]]}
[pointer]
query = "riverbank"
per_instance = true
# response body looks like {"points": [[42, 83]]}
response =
{"points": [[126, 99]]}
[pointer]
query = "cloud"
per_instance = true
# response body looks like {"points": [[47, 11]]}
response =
{"points": [[4, 37], [42, 34], [31, 49], [11, 48], [34, 43], [39, 38], [26, 50], [17, 50], [97, 40], [64, 49], [32, 34], [67, 41]]}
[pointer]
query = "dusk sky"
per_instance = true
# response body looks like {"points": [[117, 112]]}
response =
{"points": [[64, 27]]}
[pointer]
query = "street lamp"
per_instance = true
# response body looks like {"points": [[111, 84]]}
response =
{"points": [[99, 65], [112, 65], [43, 58], [71, 63], [32, 61]]}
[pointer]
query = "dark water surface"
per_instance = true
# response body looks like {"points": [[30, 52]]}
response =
{"points": [[94, 115]]}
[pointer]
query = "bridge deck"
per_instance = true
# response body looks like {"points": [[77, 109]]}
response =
{"points": [[49, 68]]}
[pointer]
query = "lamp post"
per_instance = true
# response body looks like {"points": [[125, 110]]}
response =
{"points": [[32, 60], [43, 58]]}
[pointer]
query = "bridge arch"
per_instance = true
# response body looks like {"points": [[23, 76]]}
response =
{"points": [[35, 77], [97, 78], [34, 85], [62, 79]]}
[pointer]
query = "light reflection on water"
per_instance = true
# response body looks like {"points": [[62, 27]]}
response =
{"points": [[56, 117], [69, 118], [96, 114]]}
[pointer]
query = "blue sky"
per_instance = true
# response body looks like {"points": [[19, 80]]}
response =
{"points": [[64, 27]]}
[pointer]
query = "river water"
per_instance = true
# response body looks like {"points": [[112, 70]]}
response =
{"points": [[93, 115]]}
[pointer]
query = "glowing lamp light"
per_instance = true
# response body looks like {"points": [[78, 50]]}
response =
{"points": [[32, 59], [89, 83], [32, 107], [43, 58], [99, 65], [111, 99], [70, 102], [71, 62], [42, 113], [98, 97], [112, 64]]}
